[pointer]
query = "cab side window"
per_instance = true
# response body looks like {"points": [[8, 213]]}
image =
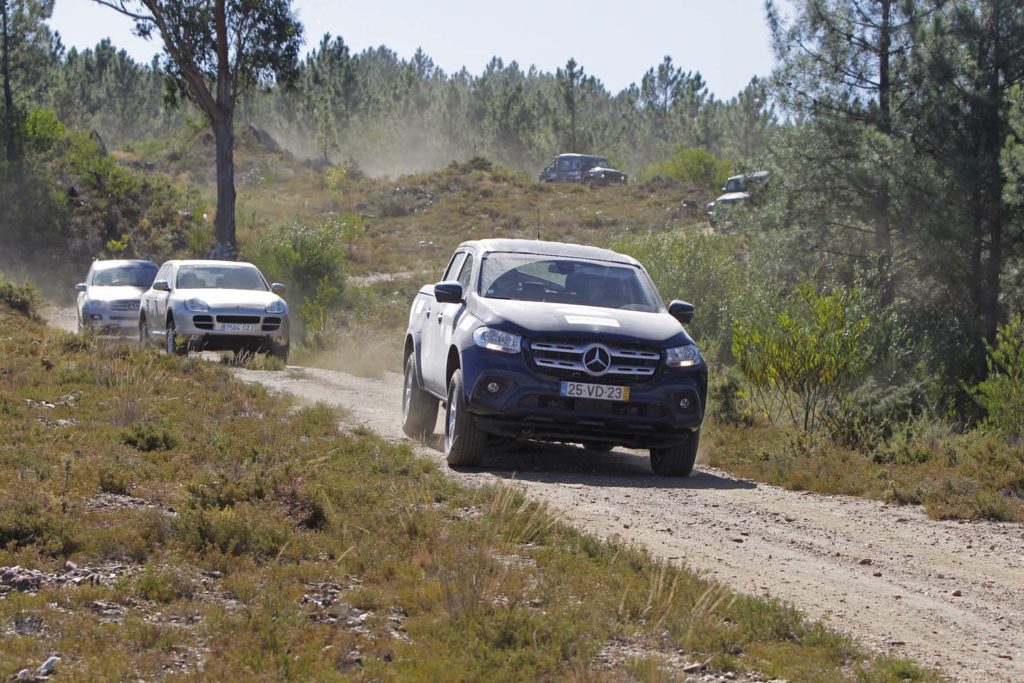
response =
{"points": [[454, 266], [466, 275], [564, 164]]}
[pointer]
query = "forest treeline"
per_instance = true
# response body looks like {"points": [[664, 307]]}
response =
{"points": [[393, 115]]}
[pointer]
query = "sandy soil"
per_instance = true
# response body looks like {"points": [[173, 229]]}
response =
{"points": [[948, 594]]}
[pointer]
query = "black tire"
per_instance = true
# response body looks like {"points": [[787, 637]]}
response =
{"points": [[174, 346], [599, 446], [281, 352], [463, 440], [676, 461], [419, 408], [143, 333]]}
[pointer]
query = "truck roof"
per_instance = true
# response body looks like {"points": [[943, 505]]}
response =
{"points": [[546, 248]]}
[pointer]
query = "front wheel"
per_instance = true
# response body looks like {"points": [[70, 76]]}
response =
{"points": [[419, 409], [143, 333], [175, 345], [676, 461], [280, 352], [463, 439]]}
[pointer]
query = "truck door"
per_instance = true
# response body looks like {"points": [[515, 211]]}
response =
{"points": [[433, 349]]}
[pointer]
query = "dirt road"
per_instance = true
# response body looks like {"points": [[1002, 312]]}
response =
{"points": [[947, 594]]}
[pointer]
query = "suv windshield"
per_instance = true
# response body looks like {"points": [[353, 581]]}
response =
{"points": [[535, 277], [125, 276], [220, 277]]}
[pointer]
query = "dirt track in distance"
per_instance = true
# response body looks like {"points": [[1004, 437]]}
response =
{"points": [[948, 594]]}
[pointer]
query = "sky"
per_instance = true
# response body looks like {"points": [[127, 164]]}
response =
{"points": [[727, 41]]}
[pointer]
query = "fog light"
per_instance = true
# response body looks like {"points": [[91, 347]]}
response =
{"points": [[493, 387], [96, 316], [684, 403]]}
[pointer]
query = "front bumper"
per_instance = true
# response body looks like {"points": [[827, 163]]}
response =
{"points": [[115, 324], [228, 330], [528, 404]]}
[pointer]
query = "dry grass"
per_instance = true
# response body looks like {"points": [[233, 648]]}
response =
{"points": [[234, 537]]}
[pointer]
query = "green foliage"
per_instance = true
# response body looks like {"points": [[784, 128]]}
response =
{"points": [[1001, 393], [148, 437], [310, 259], [803, 351], [696, 166], [24, 297]]}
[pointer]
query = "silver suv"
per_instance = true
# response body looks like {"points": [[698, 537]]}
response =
{"points": [[216, 306]]}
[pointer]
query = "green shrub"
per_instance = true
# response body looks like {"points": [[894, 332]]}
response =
{"points": [[797, 358], [147, 437], [24, 298], [1001, 394], [310, 259], [691, 165]]}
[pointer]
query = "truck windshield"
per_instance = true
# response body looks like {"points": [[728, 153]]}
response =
{"points": [[536, 277], [125, 276]]}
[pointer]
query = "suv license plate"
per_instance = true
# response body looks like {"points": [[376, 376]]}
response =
{"points": [[126, 323], [602, 392], [235, 327]]}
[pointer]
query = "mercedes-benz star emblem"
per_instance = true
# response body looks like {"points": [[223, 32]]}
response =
{"points": [[597, 360]]}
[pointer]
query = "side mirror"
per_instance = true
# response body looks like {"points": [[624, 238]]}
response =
{"points": [[162, 286], [277, 288], [448, 292], [681, 311], [80, 287]]}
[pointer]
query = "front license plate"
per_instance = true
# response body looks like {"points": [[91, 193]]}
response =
{"points": [[602, 392], [235, 327], [126, 323]]}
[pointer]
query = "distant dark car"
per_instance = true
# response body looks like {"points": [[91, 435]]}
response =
{"points": [[738, 189], [582, 168], [108, 299]]}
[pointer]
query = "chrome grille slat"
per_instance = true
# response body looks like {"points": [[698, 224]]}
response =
{"points": [[124, 305], [561, 357]]}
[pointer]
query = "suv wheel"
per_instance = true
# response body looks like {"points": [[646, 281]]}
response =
{"points": [[676, 461], [463, 440], [143, 333], [419, 409], [175, 345], [280, 352]]}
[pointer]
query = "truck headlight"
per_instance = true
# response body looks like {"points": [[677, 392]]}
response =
{"points": [[277, 307], [197, 306], [496, 340], [682, 356]]}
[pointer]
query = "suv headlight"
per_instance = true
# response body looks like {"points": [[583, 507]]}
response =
{"points": [[196, 306], [496, 340], [682, 356], [277, 307]]}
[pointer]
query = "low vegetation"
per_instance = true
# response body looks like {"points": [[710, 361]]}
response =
{"points": [[249, 538]]}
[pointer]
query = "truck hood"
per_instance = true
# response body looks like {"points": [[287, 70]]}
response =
{"points": [[116, 293], [732, 197], [538, 319]]}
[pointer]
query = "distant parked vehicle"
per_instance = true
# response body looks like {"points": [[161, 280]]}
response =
{"points": [[582, 168], [108, 299], [216, 306], [738, 189]]}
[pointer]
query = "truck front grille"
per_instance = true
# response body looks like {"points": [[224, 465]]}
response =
{"points": [[627, 363], [125, 305]]}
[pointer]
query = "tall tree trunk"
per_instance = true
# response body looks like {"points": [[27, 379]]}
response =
{"points": [[5, 68], [883, 225], [224, 136], [224, 222]]}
